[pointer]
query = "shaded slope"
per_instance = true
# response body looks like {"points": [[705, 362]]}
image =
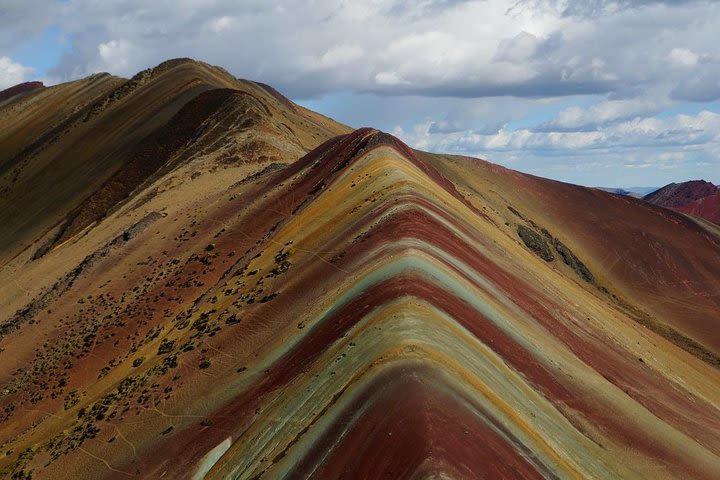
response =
{"points": [[364, 311], [153, 153]]}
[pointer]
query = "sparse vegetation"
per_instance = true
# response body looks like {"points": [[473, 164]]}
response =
{"points": [[166, 346], [71, 399]]}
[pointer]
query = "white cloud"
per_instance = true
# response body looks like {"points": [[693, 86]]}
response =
{"points": [[336, 56], [683, 57], [644, 151], [115, 54], [680, 130], [12, 73], [443, 48], [519, 48], [390, 79], [221, 24], [683, 143], [606, 111]]}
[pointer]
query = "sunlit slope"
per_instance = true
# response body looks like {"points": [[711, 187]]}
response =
{"points": [[363, 312], [662, 266]]}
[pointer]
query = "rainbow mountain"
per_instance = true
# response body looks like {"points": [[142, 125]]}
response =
{"points": [[206, 280]]}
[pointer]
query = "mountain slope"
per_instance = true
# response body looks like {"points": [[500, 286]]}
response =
{"points": [[679, 194], [707, 207], [102, 126], [247, 310], [696, 197], [655, 260]]}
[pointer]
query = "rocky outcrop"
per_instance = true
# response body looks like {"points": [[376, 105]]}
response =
{"points": [[540, 243], [573, 262], [535, 242]]}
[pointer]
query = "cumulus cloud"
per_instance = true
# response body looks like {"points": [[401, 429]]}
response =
{"points": [[115, 54], [683, 57], [594, 8], [12, 73], [642, 151], [703, 86], [607, 111], [390, 79], [679, 130], [221, 24], [335, 56], [444, 48]]}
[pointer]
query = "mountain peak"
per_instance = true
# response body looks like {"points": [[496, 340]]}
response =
{"points": [[696, 197], [680, 194]]}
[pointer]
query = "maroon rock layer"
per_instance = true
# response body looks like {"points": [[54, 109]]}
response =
{"points": [[696, 197]]}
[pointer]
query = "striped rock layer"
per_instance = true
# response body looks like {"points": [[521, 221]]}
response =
{"points": [[366, 311]]}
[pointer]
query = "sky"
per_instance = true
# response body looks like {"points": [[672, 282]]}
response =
{"points": [[620, 93]]}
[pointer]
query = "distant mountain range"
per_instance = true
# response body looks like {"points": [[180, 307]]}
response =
{"points": [[637, 192]]}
